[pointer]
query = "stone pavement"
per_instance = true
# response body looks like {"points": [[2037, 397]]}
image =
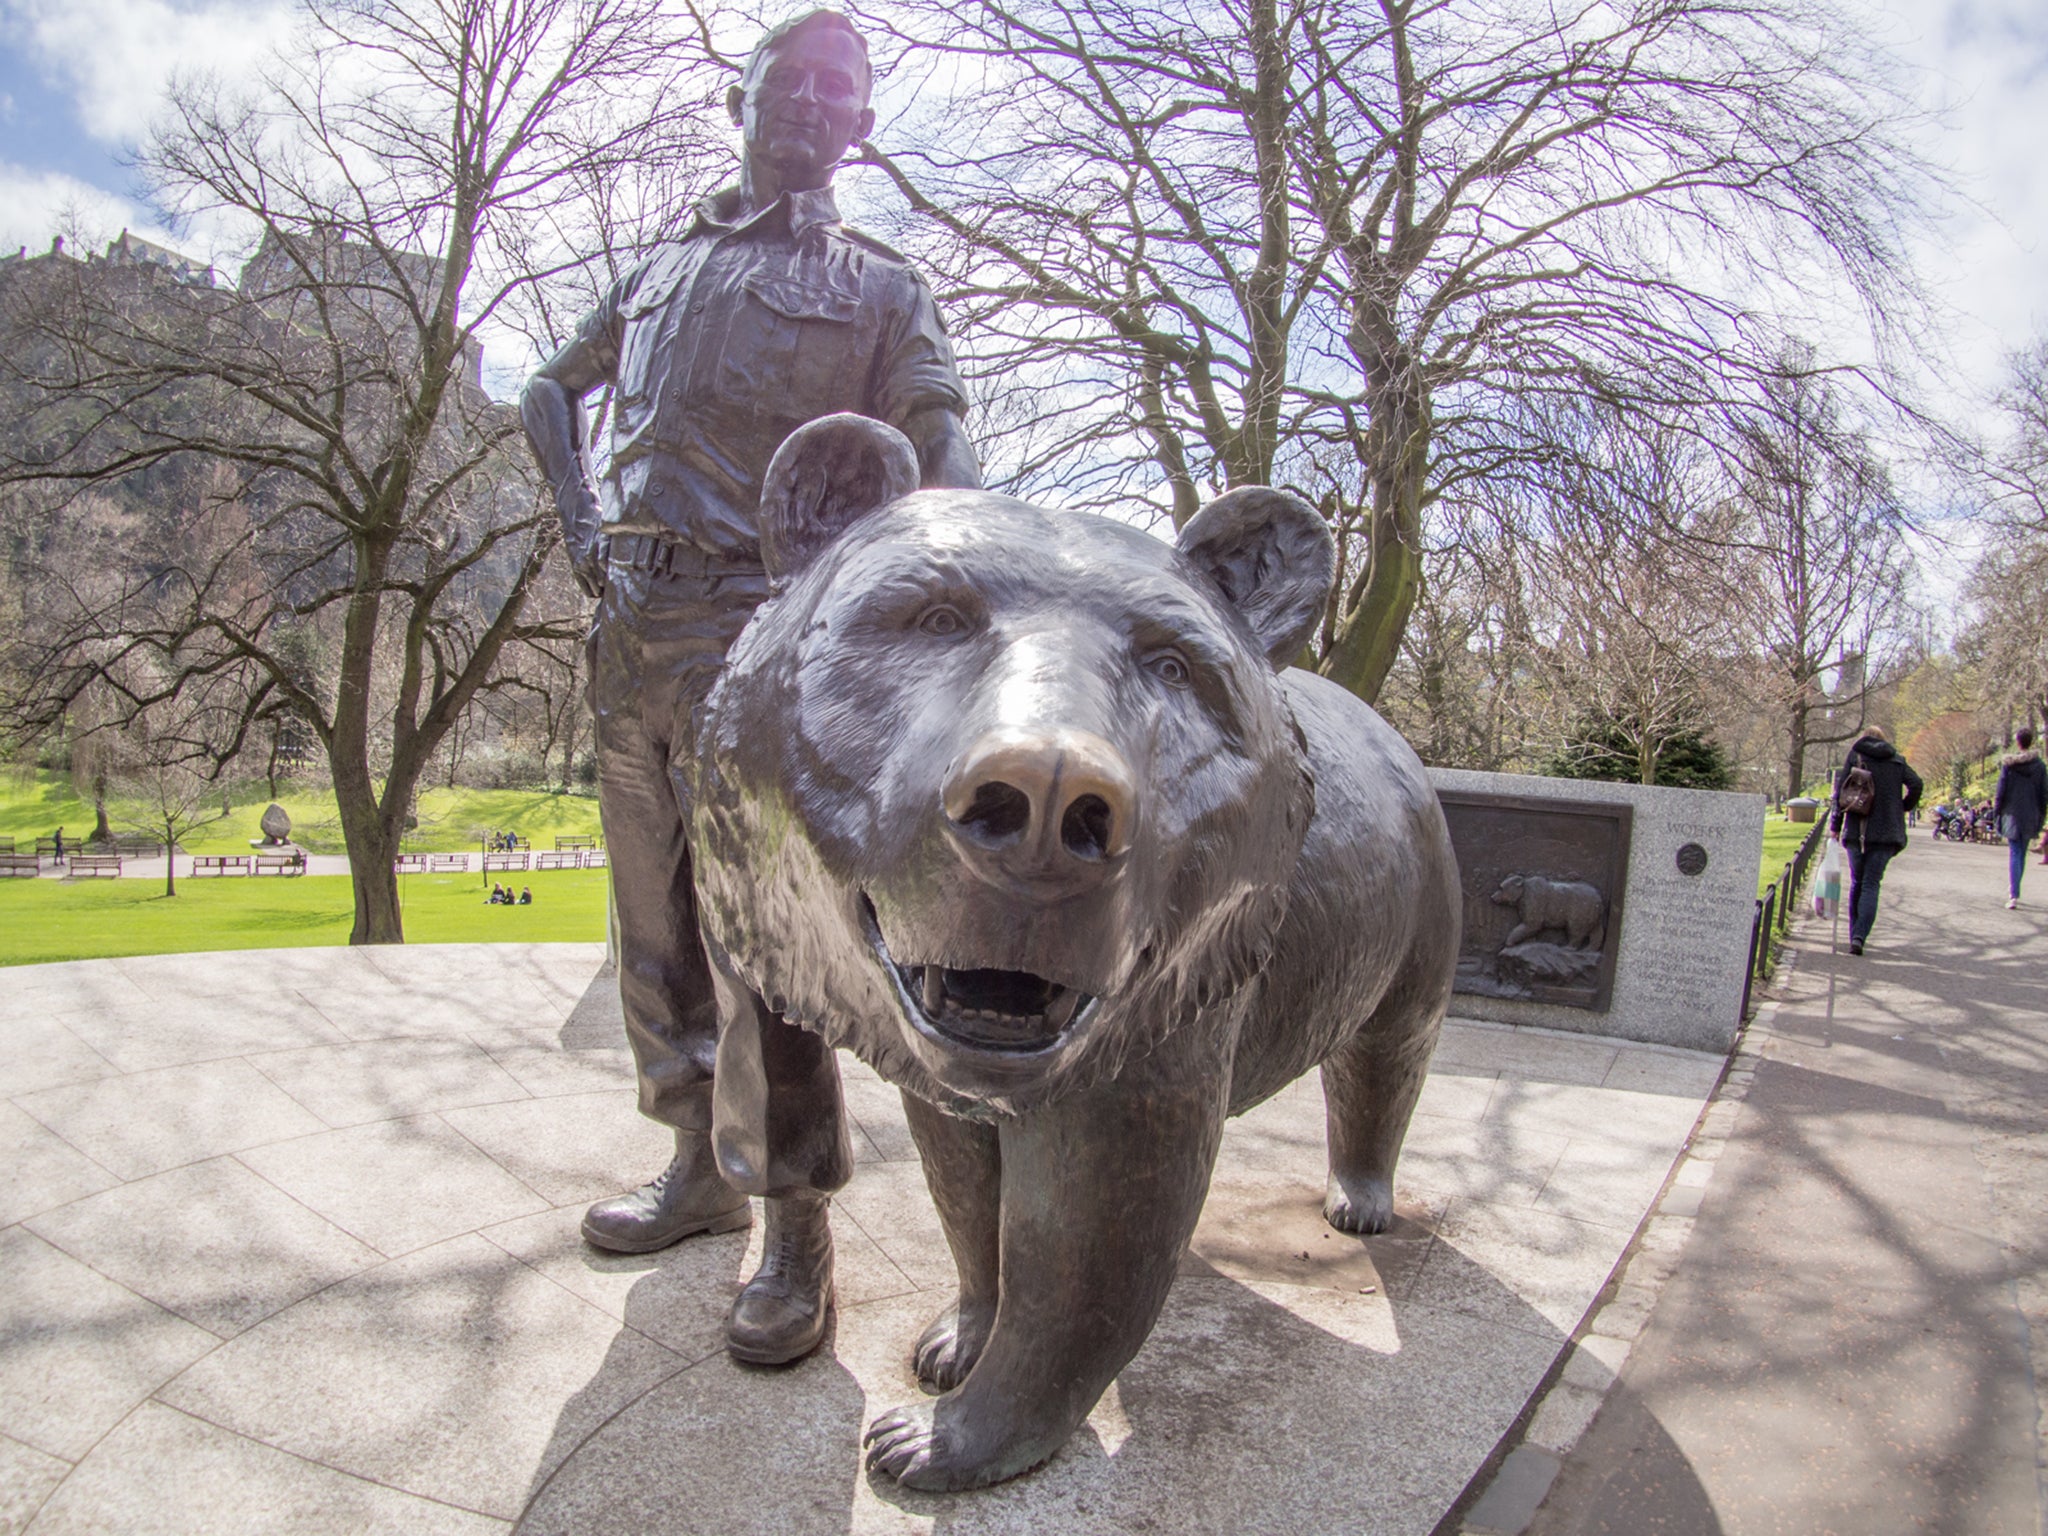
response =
{"points": [[288, 1243], [1852, 1338]]}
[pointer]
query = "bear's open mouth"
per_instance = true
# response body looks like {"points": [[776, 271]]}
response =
{"points": [[996, 1010], [989, 1010]]}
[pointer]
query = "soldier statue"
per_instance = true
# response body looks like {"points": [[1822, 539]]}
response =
{"points": [[769, 312]]}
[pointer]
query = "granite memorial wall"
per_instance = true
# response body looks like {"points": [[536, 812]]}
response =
{"points": [[1604, 909]]}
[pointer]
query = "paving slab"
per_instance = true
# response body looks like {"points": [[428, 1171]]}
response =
{"points": [[27, 1478], [325, 1274], [77, 1350], [457, 1373], [43, 1169], [170, 1237], [398, 1185], [170, 1474], [144, 1122]]}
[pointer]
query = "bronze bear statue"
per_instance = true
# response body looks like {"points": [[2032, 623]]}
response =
{"points": [[1026, 809]]}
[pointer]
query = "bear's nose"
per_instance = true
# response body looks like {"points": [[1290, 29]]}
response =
{"points": [[1040, 806]]}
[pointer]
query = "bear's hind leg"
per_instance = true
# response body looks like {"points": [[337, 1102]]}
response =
{"points": [[963, 1168], [1370, 1085]]}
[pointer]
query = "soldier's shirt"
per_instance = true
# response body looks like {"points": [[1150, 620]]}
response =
{"points": [[723, 343]]}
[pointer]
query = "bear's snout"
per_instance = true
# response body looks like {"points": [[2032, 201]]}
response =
{"points": [[1047, 809]]}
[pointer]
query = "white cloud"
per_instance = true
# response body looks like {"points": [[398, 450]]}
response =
{"points": [[117, 57], [1985, 70], [34, 205]]}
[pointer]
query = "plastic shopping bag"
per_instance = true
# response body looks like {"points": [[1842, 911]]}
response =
{"points": [[1827, 881]]}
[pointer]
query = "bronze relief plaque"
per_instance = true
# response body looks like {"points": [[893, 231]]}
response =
{"points": [[1543, 882]]}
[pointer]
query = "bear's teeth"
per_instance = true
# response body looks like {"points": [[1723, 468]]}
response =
{"points": [[934, 990]]}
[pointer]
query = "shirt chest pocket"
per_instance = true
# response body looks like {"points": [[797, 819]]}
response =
{"points": [[646, 353], [795, 348]]}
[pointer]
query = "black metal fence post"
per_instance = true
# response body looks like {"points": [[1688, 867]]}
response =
{"points": [[1756, 933]]}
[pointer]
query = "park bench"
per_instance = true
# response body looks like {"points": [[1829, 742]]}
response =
{"points": [[280, 864], [447, 863], [220, 864], [504, 861], [95, 864], [137, 845], [575, 842], [593, 858], [560, 859], [19, 865], [409, 864], [46, 848]]}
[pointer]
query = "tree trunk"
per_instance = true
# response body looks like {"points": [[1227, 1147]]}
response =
{"points": [[1369, 639], [1795, 758], [378, 918], [170, 858], [372, 847], [1397, 452], [101, 832]]}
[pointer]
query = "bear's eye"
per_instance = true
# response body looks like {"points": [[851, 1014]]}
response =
{"points": [[942, 621], [1170, 667]]}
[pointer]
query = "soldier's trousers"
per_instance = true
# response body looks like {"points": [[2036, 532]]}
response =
{"points": [[655, 650]]}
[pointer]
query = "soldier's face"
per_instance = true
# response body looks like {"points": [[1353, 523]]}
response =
{"points": [[804, 105]]}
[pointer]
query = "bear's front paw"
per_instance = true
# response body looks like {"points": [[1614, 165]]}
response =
{"points": [[947, 1350], [930, 1446], [1364, 1206]]}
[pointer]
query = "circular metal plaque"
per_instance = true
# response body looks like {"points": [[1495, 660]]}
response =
{"points": [[1692, 860]]}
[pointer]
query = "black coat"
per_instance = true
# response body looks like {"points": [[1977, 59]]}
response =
{"points": [[2021, 803], [1898, 791]]}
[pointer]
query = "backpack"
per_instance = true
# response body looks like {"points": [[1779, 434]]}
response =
{"points": [[1857, 793]]}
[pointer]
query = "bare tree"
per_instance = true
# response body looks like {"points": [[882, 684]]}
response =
{"points": [[356, 533], [2004, 644], [1210, 239], [1819, 537], [2018, 467], [1625, 609], [169, 799]]}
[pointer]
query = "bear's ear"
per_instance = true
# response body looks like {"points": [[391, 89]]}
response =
{"points": [[827, 475], [1274, 558]]}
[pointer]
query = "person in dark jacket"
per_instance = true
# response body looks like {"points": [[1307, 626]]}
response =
{"points": [[2021, 805], [1870, 841]]}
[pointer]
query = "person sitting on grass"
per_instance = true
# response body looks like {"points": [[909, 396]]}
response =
{"points": [[497, 895], [526, 896]]}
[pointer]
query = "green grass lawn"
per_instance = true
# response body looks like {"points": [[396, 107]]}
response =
{"points": [[34, 805], [1781, 841], [93, 919], [46, 920]]}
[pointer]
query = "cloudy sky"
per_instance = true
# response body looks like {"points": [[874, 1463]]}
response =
{"points": [[80, 80]]}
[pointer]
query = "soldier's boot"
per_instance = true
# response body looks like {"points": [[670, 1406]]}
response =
{"points": [[780, 1315], [685, 1198]]}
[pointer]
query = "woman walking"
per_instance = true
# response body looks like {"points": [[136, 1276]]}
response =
{"points": [[1870, 837], [2021, 805]]}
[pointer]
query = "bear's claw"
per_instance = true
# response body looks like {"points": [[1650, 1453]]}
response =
{"points": [[900, 1443], [912, 1446], [948, 1348], [1364, 1206]]}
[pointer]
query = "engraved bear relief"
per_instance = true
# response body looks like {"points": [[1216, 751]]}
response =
{"points": [[1559, 933]]}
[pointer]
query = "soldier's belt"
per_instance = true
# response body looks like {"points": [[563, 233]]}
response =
{"points": [[672, 557]]}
